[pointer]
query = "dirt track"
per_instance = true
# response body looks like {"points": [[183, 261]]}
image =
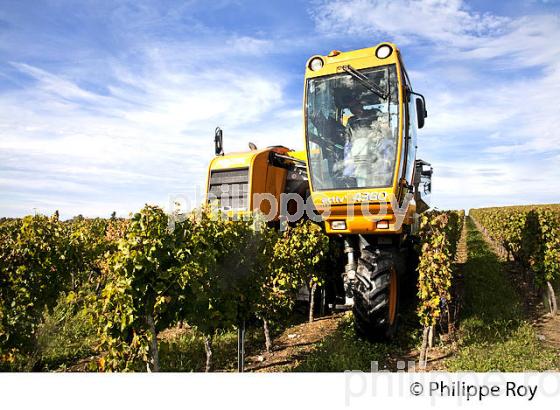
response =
{"points": [[293, 345]]}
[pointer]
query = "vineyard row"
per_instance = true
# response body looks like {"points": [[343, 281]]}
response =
{"points": [[132, 278], [530, 236]]}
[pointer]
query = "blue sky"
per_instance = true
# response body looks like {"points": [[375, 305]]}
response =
{"points": [[107, 105]]}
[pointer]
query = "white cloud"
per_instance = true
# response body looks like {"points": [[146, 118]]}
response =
{"points": [[526, 42], [55, 85], [460, 183], [450, 27], [447, 21], [249, 45], [150, 137]]}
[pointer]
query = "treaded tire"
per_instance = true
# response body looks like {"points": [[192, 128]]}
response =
{"points": [[376, 274]]}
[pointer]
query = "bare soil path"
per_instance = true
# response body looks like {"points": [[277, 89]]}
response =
{"points": [[293, 344]]}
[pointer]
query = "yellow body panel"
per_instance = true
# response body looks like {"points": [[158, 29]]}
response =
{"points": [[301, 155], [359, 59], [367, 224], [263, 178], [233, 160]]}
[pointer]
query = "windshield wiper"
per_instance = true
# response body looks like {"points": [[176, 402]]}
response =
{"points": [[362, 79]]}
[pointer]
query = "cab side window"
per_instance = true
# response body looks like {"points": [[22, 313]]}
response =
{"points": [[412, 138]]}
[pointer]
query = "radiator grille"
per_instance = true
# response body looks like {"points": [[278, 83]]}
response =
{"points": [[231, 188]]}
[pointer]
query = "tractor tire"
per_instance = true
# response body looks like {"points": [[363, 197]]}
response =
{"points": [[376, 296]]}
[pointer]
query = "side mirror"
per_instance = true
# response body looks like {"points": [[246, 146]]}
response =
{"points": [[421, 112], [218, 141]]}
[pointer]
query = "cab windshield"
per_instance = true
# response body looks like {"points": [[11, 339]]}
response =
{"points": [[351, 131]]}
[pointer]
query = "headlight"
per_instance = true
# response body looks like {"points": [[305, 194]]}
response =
{"points": [[383, 51], [316, 64], [383, 225], [338, 225]]}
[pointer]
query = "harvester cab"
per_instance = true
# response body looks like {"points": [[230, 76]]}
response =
{"points": [[361, 116]]}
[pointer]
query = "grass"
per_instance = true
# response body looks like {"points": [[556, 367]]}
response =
{"points": [[494, 334], [64, 337], [184, 351], [343, 350]]}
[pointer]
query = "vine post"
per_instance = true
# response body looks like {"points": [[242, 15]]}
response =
{"points": [[241, 347]]}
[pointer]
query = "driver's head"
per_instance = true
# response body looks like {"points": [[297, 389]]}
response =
{"points": [[355, 107]]}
